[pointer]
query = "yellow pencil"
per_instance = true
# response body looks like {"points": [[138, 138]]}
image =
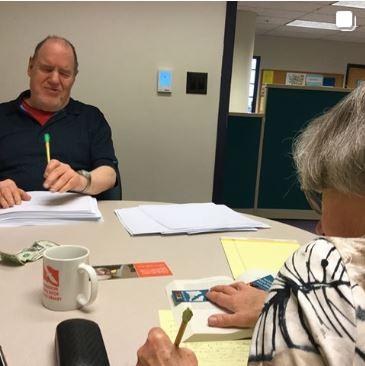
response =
{"points": [[47, 139]]}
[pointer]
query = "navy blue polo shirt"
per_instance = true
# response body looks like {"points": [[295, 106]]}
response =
{"points": [[80, 137]]}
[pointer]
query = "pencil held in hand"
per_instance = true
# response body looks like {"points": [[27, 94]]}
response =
{"points": [[47, 139], [186, 316]]}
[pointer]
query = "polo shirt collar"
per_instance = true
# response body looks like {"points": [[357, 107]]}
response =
{"points": [[71, 108]]}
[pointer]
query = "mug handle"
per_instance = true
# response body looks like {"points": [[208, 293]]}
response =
{"points": [[81, 299]]}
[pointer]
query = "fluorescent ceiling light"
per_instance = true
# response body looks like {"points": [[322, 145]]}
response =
{"points": [[309, 24], [351, 4], [345, 20]]}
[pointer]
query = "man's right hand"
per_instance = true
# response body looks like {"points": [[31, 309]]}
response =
{"points": [[159, 351], [11, 195]]}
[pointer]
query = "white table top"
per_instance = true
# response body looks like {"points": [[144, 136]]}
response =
{"points": [[125, 309]]}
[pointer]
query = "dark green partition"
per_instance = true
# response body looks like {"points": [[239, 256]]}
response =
{"points": [[287, 111], [241, 156]]}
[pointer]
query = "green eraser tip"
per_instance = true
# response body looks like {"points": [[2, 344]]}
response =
{"points": [[47, 137], [187, 315]]}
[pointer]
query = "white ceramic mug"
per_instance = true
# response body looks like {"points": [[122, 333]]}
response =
{"points": [[69, 282]]}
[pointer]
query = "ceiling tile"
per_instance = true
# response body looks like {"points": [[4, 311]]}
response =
{"points": [[281, 13], [301, 32], [305, 6], [273, 15], [272, 20], [315, 17], [331, 10], [265, 27]]}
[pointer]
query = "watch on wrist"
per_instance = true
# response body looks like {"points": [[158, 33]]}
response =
{"points": [[87, 175]]}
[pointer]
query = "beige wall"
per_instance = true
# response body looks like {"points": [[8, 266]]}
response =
{"points": [[165, 144], [242, 56], [307, 54]]}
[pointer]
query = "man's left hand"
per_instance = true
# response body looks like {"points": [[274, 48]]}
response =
{"points": [[60, 177]]}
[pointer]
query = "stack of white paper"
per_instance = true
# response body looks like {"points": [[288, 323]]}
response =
{"points": [[190, 218], [47, 208]]}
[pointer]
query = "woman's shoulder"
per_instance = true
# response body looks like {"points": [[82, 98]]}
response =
{"points": [[313, 260], [310, 316], [352, 251], [331, 254]]}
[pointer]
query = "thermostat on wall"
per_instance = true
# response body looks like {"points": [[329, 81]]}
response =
{"points": [[164, 81]]}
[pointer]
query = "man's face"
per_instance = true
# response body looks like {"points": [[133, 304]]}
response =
{"points": [[52, 74], [343, 215]]}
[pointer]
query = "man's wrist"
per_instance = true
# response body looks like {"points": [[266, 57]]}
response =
{"points": [[87, 176]]}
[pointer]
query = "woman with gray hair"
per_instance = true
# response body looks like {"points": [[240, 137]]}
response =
{"points": [[314, 313], [330, 160]]}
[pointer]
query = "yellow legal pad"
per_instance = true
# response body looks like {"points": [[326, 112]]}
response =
{"points": [[223, 353], [250, 254]]}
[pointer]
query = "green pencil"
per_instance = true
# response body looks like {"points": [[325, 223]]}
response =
{"points": [[47, 139]]}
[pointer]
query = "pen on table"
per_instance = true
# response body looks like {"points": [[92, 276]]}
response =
{"points": [[186, 316], [47, 139], [2, 358]]}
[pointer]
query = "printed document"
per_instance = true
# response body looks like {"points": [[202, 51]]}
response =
{"points": [[48, 208]]}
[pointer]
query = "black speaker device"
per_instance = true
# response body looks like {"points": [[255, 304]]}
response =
{"points": [[79, 343]]}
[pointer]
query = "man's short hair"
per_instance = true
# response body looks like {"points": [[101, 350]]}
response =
{"points": [[330, 152], [57, 38]]}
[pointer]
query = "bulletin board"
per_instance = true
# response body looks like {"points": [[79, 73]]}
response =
{"points": [[279, 77]]}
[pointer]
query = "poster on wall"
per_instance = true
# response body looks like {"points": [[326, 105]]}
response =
{"points": [[329, 81], [295, 78], [268, 77], [314, 80]]}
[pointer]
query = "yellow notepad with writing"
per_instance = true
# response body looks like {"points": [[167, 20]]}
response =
{"points": [[221, 353], [245, 254]]}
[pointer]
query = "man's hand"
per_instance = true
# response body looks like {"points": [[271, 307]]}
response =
{"points": [[243, 301], [11, 195], [60, 177], [159, 351]]}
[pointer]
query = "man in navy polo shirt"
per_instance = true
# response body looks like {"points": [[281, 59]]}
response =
{"points": [[82, 153]]}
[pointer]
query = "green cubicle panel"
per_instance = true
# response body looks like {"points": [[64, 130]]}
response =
{"points": [[287, 111], [241, 157]]}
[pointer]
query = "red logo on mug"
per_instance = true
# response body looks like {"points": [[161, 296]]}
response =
{"points": [[51, 276]]}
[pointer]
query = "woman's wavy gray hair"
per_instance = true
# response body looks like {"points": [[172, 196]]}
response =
{"points": [[330, 151]]}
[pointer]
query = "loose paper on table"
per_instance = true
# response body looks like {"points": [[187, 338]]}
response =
{"points": [[190, 218]]}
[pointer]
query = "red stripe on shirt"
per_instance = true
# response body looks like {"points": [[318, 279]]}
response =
{"points": [[40, 116]]}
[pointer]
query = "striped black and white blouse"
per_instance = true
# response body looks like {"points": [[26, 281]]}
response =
{"points": [[315, 310]]}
